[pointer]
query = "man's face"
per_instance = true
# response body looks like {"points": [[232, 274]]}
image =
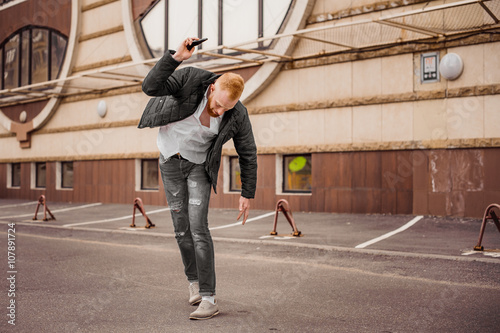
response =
{"points": [[218, 101]]}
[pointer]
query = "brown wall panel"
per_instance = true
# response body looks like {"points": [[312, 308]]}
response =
{"points": [[459, 182]]}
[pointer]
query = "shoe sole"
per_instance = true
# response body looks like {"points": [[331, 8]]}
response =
{"points": [[196, 302], [203, 318]]}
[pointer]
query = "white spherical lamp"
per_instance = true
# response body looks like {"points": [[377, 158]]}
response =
{"points": [[451, 66]]}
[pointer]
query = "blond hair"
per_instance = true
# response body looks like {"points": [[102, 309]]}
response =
{"points": [[233, 84]]}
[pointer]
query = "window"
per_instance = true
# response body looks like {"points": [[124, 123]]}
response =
{"points": [[15, 175], [221, 21], [297, 175], [149, 174], [31, 55], [66, 174], [40, 175], [235, 174]]}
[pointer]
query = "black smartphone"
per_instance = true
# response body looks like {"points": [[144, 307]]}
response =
{"points": [[196, 42]]}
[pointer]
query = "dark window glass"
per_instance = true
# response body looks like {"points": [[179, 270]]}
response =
{"points": [[40, 56], [67, 174], [57, 54], [1, 66], [27, 59], [40, 174], [11, 70], [297, 175], [149, 174], [235, 174], [15, 174]]}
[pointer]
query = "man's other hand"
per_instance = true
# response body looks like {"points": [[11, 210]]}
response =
{"points": [[244, 209]]}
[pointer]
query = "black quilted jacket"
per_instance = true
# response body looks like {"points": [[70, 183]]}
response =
{"points": [[178, 94]]}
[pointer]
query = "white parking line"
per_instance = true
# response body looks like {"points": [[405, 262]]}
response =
{"points": [[116, 218], [19, 205], [239, 223], [389, 234], [52, 211]]}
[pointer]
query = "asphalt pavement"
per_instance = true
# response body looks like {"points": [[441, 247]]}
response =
{"points": [[90, 271]]}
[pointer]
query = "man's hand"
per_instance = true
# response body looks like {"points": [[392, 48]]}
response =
{"points": [[244, 209], [182, 53]]}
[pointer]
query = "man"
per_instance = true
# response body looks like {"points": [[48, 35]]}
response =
{"points": [[197, 112]]}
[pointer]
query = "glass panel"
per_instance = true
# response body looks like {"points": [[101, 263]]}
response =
{"points": [[182, 21], [57, 54], [11, 73], [16, 174], [240, 21], [210, 23], [153, 27], [149, 175], [25, 58], [41, 180], [40, 53], [235, 174], [67, 174], [274, 14], [297, 173]]}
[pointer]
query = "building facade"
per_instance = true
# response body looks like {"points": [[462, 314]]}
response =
{"points": [[357, 106]]}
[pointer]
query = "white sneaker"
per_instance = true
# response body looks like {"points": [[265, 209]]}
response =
{"points": [[194, 293], [206, 310]]}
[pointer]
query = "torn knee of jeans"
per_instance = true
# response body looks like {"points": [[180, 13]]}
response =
{"points": [[192, 183], [195, 202], [180, 234], [176, 206]]}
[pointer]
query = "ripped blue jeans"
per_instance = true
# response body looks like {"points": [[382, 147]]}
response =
{"points": [[188, 188]]}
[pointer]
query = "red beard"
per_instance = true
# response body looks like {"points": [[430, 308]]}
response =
{"points": [[210, 111]]}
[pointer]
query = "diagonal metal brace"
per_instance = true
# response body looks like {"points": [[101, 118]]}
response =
{"points": [[489, 213], [41, 201], [139, 205], [283, 206]]}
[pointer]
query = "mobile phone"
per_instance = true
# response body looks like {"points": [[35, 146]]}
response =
{"points": [[196, 42]]}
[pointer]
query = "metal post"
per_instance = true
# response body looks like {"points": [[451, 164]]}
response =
{"points": [[489, 213], [283, 206], [139, 205], [41, 201]]}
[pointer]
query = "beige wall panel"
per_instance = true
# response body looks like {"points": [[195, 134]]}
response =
{"points": [[277, 129], [473, 73], [283, 90], [307, 85], [397, 74], [101, 49], [119, 108], [338, 125], [367, 123], [429, 120], [311, 130], [491, 63], [3, 130], [492, 116], [79, 145], [465, 118], [338, 82], [397, 122], [366, 77], [109, 141], [101, 18]]}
